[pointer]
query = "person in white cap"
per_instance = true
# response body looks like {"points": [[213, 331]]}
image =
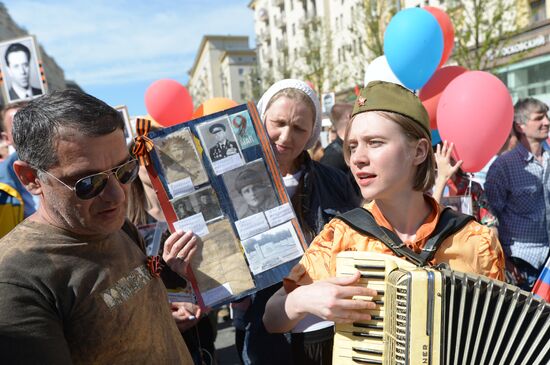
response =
{"points": [[291, 113]]}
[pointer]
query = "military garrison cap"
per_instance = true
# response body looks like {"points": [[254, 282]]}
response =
{"points": [[390, 97]]}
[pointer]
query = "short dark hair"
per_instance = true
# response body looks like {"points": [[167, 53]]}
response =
{"points": [[340, 114], [37, 126], [16, 105], [16, 47]]}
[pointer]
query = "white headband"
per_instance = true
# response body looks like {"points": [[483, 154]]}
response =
{"points": [[298, 85]]}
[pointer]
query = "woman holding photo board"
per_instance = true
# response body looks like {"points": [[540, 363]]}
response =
{"points": [[291, 113]]}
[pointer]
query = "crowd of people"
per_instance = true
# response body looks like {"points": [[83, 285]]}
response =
{"points": [[76, 285]]}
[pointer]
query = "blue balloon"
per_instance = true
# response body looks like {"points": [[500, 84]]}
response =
{"points": [[436, 138], [413, 45]]}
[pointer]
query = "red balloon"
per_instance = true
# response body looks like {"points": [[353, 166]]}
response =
{"points": [[448, 32], [168, 102], [431, 92], [475, 112], [212, 106]]}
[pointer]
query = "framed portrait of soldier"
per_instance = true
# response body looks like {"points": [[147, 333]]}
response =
{"points": [[250, 189], [123, 111], [220, 145], [180, 161], [22, 78]]}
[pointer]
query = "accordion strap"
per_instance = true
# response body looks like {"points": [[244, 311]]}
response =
{"points": [[449, 222]]}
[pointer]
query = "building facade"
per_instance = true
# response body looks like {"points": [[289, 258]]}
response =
{"points": [[221, 69]]}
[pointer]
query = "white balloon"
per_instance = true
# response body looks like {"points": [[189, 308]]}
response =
{"points": [[379, 70]]}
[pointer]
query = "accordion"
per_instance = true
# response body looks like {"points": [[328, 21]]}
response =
{"points": [[440, 316]]}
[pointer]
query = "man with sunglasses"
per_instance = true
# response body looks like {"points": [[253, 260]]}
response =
{"points": [[74, 281]]}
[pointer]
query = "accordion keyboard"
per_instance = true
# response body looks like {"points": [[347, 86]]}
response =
{"points": [[440, 316]]}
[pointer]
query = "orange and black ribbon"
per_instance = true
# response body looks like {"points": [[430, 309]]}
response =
{"points": [[154, 265], [143, 144]]}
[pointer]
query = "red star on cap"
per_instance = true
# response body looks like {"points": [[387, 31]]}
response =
{"points": [[361, 101]]}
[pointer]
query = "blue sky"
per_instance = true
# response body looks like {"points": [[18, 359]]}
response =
{"points": [[114, 49]]}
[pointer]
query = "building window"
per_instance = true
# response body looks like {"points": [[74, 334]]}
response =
{"points": [[241, 70], [241, 84], [538, 10], [293, 29]]}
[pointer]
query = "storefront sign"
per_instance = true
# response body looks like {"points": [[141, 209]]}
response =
{"points": [[519, 47]]}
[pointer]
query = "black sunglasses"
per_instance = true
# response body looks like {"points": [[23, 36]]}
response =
{"points": [[91, 186]]}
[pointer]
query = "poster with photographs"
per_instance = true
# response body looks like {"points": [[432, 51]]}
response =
{"points": [[202, 201], [241, 124], [128, 133], [250, 189], [180, 162], [272, 248], [220, 145], [222, 182], [20, 66]]}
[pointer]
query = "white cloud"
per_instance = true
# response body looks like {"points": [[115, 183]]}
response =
{"points": [[117, 41]]}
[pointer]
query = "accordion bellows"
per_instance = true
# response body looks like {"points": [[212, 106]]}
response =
{"points": [[440, 316]]}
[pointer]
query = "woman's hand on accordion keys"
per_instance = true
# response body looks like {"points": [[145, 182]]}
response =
{"points": [[331, 299]]}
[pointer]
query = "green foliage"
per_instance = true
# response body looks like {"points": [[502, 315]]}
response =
{"points": [[482, 27]]}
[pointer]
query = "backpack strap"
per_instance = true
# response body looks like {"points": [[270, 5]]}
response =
{"points": [[450, 222], [362, 220]]}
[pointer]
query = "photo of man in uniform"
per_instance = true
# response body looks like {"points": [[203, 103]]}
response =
{"points": [[223, 147], [254, 192], [18, 65]]}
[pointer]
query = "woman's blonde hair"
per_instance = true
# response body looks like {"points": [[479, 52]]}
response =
{"points": [[424, 177]]}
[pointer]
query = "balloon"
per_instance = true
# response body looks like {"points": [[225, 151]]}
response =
{"points": [[475, 112], [379, 69], [431, 92], [448, 32], [168, 102], [413, 45], [212, 106]]}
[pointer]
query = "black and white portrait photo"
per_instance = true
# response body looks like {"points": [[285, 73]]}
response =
{"points": [[220, 145], [123, 111], [179, 158], [250, 189], [202, 201], [20, 70]]}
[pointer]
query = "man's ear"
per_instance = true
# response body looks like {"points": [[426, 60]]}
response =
{"points": [[28, 177], [517, 128], [421, 151]]}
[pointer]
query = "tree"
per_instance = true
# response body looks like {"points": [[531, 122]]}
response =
{"points": [[483, 27], [374, 18], [316, 55], [253, 84]]}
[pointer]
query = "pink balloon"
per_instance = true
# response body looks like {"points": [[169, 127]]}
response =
{"points": [[168, 102], [475, 112]]}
